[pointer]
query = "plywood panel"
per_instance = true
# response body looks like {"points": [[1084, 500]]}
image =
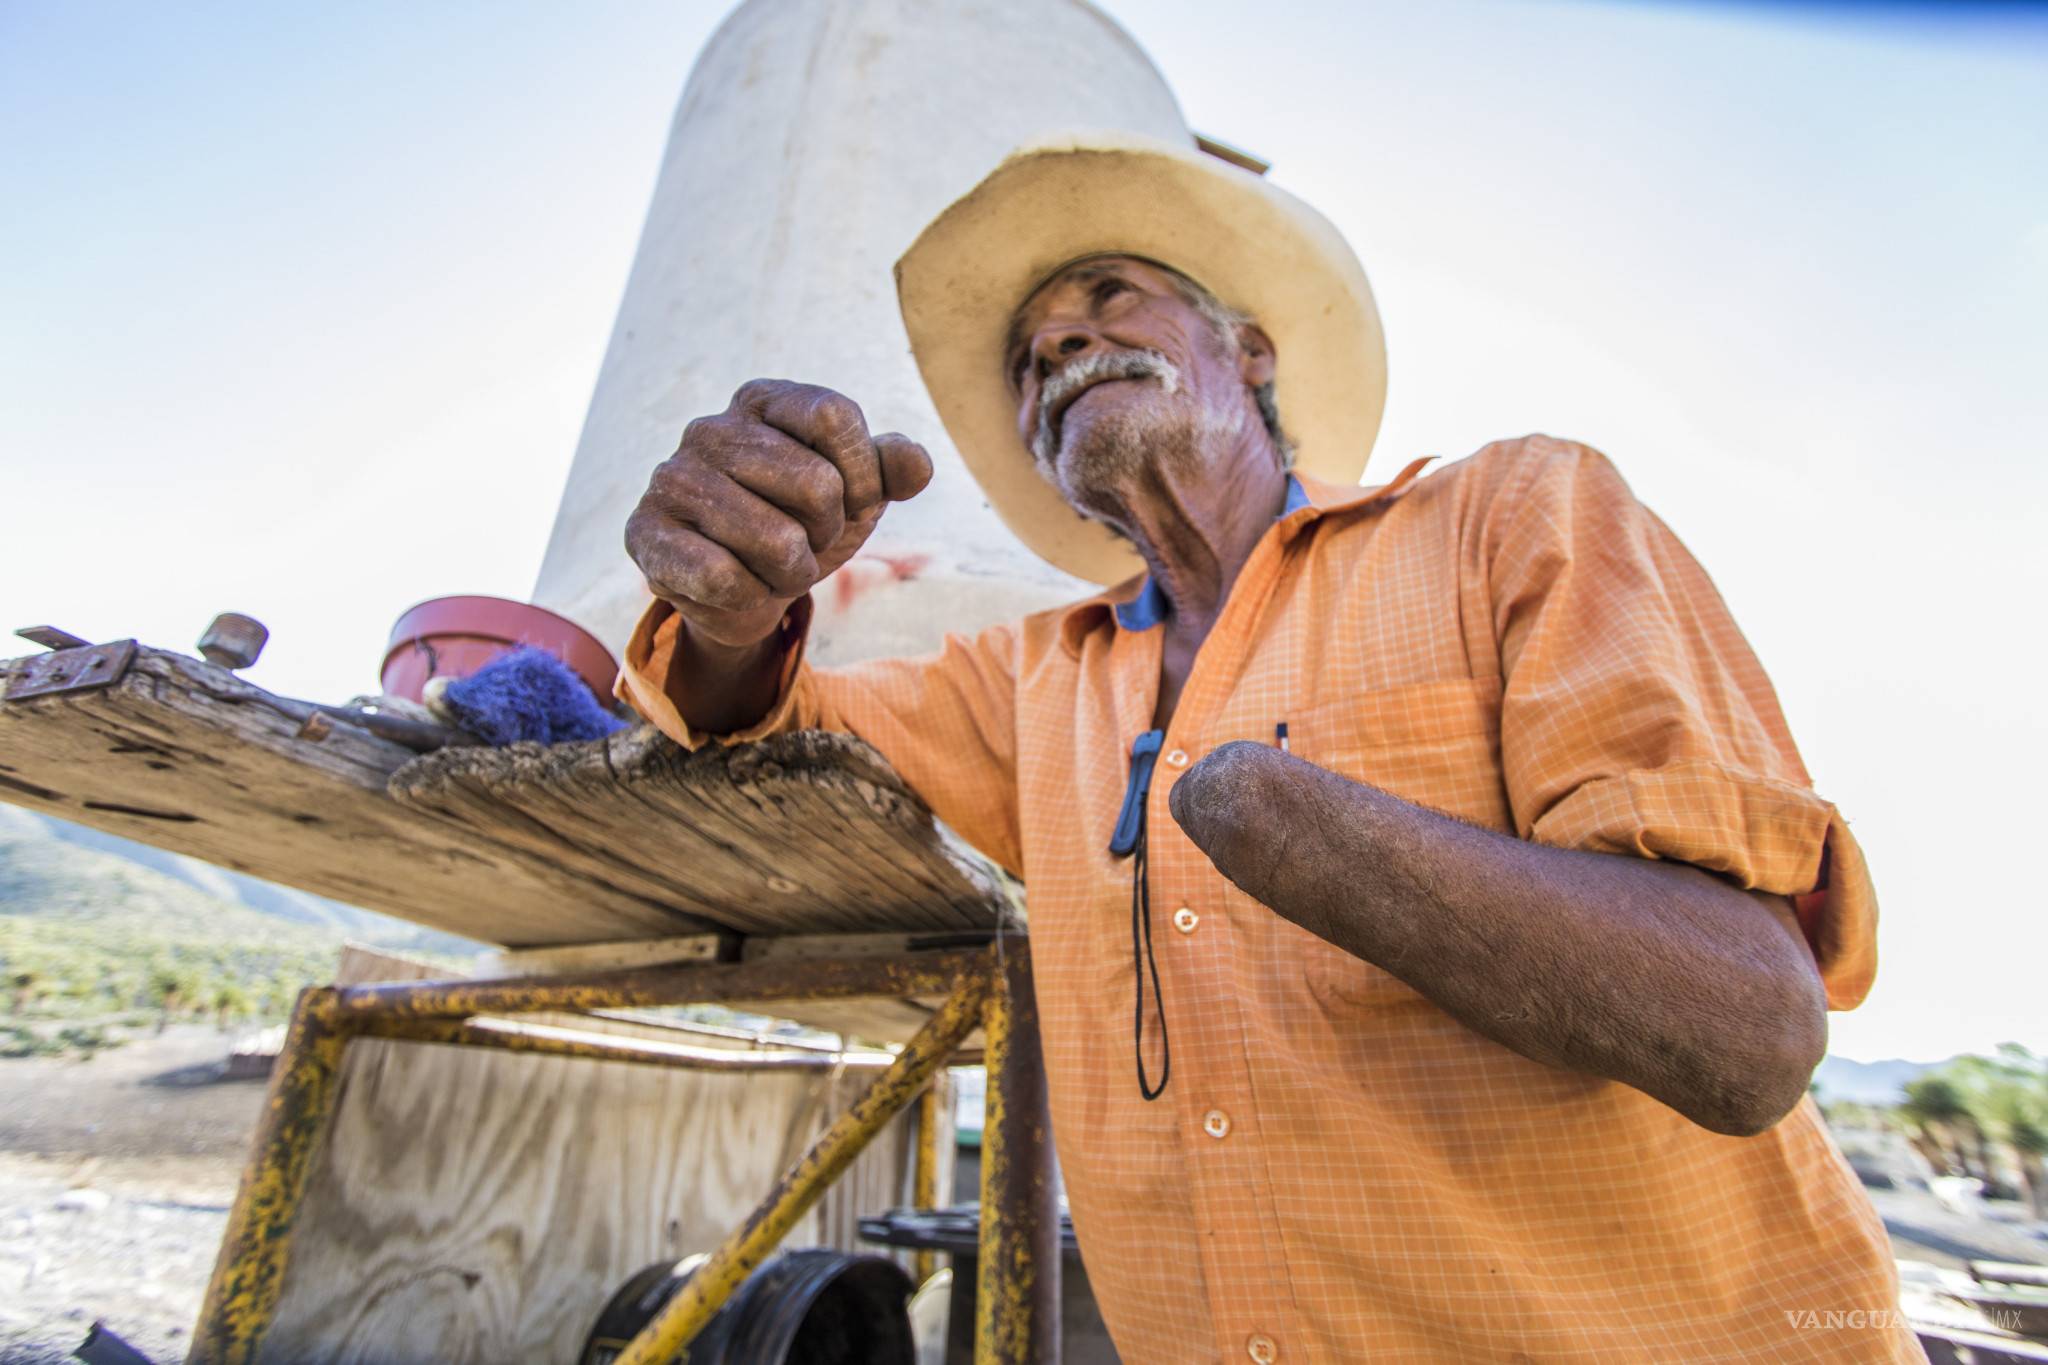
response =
{"points": [[479, 1207]]}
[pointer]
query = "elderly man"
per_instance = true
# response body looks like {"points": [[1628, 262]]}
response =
{"points": [[1496, 919]]}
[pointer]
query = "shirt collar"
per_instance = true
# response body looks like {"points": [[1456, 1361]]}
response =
{"points": [[1307, 500], [1144, 611]]}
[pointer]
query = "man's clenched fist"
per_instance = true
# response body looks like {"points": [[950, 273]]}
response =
{"points": [[762, 501]]}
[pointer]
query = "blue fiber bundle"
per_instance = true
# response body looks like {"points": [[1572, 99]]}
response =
{"points": [[528, 694]]}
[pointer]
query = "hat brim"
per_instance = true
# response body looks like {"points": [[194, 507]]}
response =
{"points": [[1059, 199]]}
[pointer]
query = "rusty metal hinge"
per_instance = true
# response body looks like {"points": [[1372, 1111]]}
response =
{"points": [[85, 668], [50, 637]]}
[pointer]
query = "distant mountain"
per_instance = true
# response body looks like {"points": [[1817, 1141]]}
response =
{"points": [[1843, 1078], [74, 845]]}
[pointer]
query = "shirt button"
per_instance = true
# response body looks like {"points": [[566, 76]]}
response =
{"points": [[1216, 1123], [1185, 920], [1262, 1349], [1177, 758]]}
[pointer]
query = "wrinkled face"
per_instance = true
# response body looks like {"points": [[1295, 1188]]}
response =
{"points": [[1112, 368]]}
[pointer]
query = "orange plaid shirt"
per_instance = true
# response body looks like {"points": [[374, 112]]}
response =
{"points": [[1338, 1170]]}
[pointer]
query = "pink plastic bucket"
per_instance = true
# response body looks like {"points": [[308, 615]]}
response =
{"points": [[452, 637]]}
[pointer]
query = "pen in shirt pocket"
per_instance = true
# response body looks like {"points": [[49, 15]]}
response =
{"points": [[1280, 737]]}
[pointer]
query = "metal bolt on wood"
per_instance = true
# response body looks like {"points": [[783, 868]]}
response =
{"points": [[233, 640]]}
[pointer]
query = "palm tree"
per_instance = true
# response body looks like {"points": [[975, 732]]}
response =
{"points": [[27, 985], [1977, 1158], [2008, 1097], [2027, 1140], [171, 992], [230, 1002], [1931, 1110]]}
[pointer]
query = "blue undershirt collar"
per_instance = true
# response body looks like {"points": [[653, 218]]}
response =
{"points": [[1148, 608]]}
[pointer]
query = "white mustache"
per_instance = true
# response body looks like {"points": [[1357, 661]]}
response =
{"points": [[1090, 369]]}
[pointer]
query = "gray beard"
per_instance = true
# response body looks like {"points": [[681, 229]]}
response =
{"points": [[1073, 378], [1115, 450], [1099, 472]]}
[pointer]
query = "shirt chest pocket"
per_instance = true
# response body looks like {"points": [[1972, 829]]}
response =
{"points": [[1436, 744]]}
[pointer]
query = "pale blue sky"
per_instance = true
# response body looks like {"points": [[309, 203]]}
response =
{"points": [[300, 307]]}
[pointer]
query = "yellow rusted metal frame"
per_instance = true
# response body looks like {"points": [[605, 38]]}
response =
{"points": [[981, 988], [1017, 1289], [727, 1268], [612, 1048], [924, 973], [249, 1271], [932, 1113]]}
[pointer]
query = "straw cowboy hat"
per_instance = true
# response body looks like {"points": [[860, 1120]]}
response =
{"points": [[1057, 199]]}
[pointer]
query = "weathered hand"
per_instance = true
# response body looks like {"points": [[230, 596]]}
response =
{"points": [[762, 501]]}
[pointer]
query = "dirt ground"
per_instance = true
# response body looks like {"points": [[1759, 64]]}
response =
{"points": [[1923, 1230], [116, 1175], [115, 1180]]}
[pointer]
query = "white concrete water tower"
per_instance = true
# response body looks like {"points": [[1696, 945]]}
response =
{"points": [[815, 138]]}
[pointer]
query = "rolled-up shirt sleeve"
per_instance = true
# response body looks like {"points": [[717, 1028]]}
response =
{"points": [[1636, 719], [652, 683], [945, 721]]}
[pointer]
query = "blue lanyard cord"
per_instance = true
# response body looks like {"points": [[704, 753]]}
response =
{"points": [[1129, 837]]}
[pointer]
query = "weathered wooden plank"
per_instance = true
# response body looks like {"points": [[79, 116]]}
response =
{"points": [[531, 846], [783, 785], [868, 788], [597, 957], [802, 833], [186, 756]]}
